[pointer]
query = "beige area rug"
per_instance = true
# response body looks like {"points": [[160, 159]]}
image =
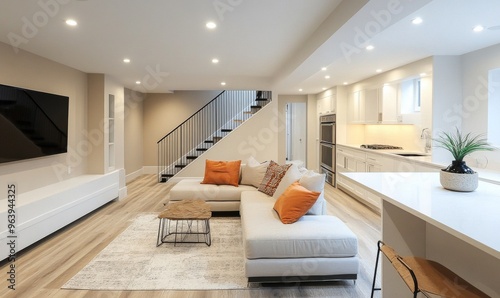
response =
{"points": [[133, 262]]}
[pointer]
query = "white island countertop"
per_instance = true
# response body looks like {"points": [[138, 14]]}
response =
{"points": [[473, 217]]}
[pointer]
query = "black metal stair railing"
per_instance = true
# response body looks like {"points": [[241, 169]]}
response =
{"points": [[206, 127], [19, 107]]}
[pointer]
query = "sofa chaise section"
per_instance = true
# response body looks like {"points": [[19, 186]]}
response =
{"points": [[316, 247]]}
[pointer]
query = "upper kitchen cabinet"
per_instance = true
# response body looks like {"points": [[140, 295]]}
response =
{"points": [[372, 99], [356, 107], [389, 105], [327, 102], [373, 106]]}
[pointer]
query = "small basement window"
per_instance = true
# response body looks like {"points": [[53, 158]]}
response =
{"points": [[494, 106]]}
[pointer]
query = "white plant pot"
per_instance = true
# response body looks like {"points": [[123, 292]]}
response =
{"points": [[458, 182]]}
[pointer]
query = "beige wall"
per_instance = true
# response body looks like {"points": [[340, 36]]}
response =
{"points": [[96, 123], [34, 72], [257, 137], [134, 131], [164, 112]]}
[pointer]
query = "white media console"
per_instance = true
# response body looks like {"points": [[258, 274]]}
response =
{"points": [[45, 210]]}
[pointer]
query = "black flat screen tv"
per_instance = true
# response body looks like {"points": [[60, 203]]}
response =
{"points": [[32, 124]]}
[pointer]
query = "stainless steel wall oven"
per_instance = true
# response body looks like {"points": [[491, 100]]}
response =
{"points": [[327, 147]]}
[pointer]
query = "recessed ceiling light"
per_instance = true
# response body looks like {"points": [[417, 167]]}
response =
{"points": [[138, 82], [379, 70], [345, 83], [300, 89], [223, 83], [417, 21], [215, 61], [71, 22], [327, 77], [126, 60], [211, 25], [370, 47], [324, 88], [478, 28], [323, 68], [423, 74]]}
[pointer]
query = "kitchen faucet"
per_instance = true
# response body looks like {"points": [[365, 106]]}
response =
{"points": [[426, 133]]}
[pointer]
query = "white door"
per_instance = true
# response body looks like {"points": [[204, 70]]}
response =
{"points": [[296, 131]]}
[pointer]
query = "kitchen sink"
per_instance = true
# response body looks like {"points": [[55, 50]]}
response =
{"points": [[410, 154]]}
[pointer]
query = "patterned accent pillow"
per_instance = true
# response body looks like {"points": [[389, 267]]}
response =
{"points": [[273, 176]]}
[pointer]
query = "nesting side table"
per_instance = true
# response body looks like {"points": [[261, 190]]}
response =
{"points": [[186, 221]]}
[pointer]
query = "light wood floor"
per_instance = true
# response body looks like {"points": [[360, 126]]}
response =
{"points": [[45, 266]]}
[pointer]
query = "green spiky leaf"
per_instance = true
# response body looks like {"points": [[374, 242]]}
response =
{"points": [[460, 145]]}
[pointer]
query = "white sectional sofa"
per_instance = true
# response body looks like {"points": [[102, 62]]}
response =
{"points": [[316, 247]]}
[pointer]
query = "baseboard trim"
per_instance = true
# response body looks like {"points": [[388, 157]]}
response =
{"points": [[134, 175], [150, 170]]}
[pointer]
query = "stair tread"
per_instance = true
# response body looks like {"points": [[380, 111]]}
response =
{"points": [[261, 99]]}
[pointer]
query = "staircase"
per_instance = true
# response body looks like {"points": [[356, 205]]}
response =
{"points": [[205, 128], [20, 109]]}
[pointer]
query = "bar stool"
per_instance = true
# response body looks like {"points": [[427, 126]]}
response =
{"points": [[425, 276]]}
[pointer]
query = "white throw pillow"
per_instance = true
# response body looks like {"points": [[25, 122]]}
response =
{"points": [[292, 174], [253, 172], [315, 182]]}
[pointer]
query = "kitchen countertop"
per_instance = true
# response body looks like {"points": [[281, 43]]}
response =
{"points": [[486, 175], [470, 216]]}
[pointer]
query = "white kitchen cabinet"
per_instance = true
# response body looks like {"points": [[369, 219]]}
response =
{"points": [[373, 163], [362, 107], [356, 107], [371, 106], [351, 160], [327, 104], [389, 106], [358, 160]]}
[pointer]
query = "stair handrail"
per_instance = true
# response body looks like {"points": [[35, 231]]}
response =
{"points": [[192, 116], [176, 150]]}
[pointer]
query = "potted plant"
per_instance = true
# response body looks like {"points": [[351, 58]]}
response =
{"points": [[458, 176]]}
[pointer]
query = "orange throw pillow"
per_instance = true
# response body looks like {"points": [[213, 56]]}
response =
{"points": [[295, 201], [222, 172]]}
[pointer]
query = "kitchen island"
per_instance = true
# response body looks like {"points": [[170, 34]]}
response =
{"points": [[420, 218]]}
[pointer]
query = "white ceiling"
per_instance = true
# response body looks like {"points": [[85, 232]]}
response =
{"points": [[261, 44]]}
